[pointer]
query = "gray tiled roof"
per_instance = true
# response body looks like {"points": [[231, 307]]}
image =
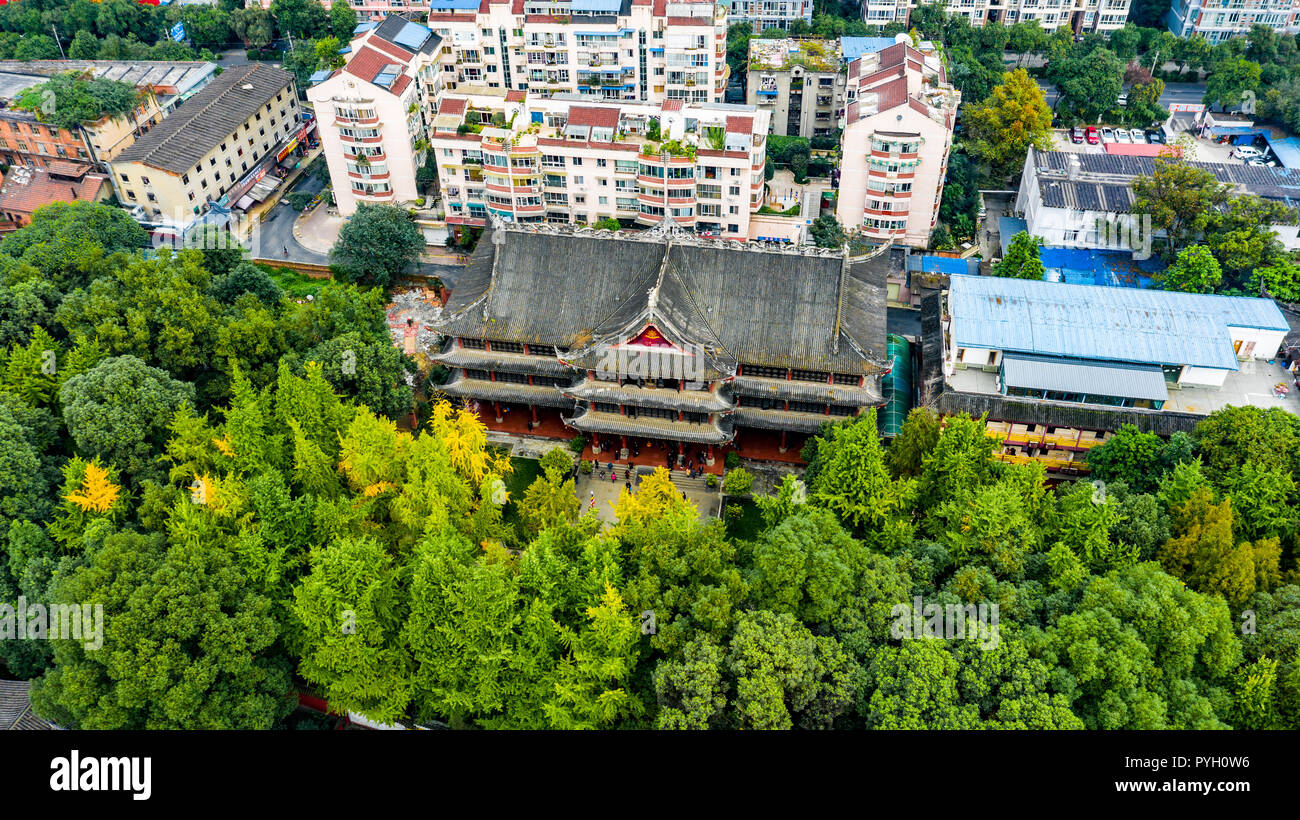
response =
{"points": [[755, 305], [16, 707], [209, 117]]}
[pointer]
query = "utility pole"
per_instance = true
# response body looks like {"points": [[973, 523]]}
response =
{"points": [[56, 39]]}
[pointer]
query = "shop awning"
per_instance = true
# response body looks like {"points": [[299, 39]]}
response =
{"points": [[244, 202], [265, 186], [1092, 377]]}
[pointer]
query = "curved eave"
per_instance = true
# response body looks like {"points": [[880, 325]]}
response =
{"points": [[807, 391], [595, 422], [507, 392], [783, 419], [691, 401], [514, 362]]}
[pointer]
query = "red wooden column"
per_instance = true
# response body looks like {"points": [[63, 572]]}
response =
{"points": [[708, 455], [783, 447], [496, 405], [532, 408], [595, 443]]}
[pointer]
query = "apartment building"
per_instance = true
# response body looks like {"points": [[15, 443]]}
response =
{"points": [[800, 82], [376, 10], [213, 150], [1063, 196], [1080, 15], [765, 14], [569, 159], [26, 140], [375, 113], [897, 136], [1217, 20], [607, 49]]}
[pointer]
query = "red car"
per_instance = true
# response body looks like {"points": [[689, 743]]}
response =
{"points": [[1093, 135]]}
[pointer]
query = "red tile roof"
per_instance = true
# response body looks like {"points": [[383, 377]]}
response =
{"points": [[367, 63], [64, 168], [592, 116], [740, 125], [393, 50], [892, 94], [452, 105], [514, 95], [26, 189], [400, 84], [672, 105]]}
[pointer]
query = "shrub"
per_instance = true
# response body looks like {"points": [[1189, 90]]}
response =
{"points": [[586, 468], [577, 444], [711, 481], [732, 461], [738, 482]]}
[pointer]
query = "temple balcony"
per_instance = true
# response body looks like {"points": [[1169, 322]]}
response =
{"points": [[650, 427], [665, 398], [788, 390], [511, 392]]}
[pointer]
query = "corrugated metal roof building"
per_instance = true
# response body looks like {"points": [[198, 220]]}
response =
{"points": [[1104, 323]]}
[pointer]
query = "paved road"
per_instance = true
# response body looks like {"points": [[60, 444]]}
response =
{"points": [[1174, 93], [277, 234]]}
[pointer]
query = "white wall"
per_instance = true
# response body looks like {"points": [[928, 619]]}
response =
{"points": [[1203, 377], [1266, 342]]}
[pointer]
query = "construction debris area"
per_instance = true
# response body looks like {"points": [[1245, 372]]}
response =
{"points": [[411, 312]]}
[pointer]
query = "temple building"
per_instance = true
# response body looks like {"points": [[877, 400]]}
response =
{"points": [[663, 337]]}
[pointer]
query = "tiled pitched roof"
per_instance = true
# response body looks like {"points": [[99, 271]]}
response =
{"points": [[177, 143], [593, 116], [740, 125], [16, 707], [367, 63], [26, 189], [452, 105]]}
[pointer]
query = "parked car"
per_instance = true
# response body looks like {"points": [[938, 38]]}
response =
{"points": [[1108, 134], [1076, 135], [1247, 151], [1155, 136], [1122, 136], [1266, 163], [1136, 135], [1092, 135]]}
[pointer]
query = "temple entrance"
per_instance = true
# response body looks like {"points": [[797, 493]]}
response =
{"points": [[638, 451]]}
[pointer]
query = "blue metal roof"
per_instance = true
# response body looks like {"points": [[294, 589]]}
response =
{"points": [[854, 47], [412, 36], [605, 6], [1098, 266], [943, 264], [1287, 151], [1095, 322], [321, 76], [454, 5]]}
